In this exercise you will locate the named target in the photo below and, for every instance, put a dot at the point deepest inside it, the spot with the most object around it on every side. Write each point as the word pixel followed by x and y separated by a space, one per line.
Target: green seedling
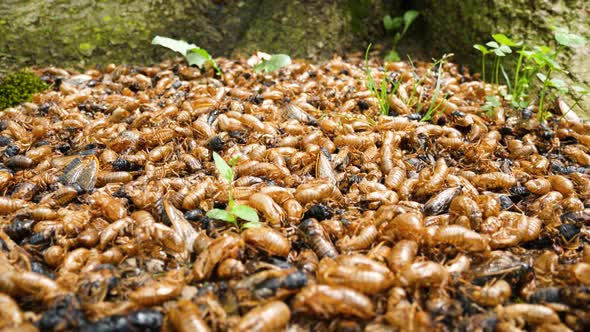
pixel 564 39
pixel 492 102
pixel 484 51
pixel 433 105
pixel 534 63
pixel 380 93
pixel 276 61
pixel 417 82
pixel 500 47
pixel 234 211
pixel 193 54
pixel 392 24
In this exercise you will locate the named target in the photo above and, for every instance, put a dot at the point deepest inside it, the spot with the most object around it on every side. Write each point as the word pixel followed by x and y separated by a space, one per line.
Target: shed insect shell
pixel 10 312
pixel 53 255
pixel 494 180
pixel 359 273
pixel 267 239
pixel 113 177
pixel 538 186
pixel 562 184
pixel 424 274
pixel 180 225
pixel 409 225
pixel 60 197
pixel 582 273
pixel 9 205
pixel 314 192
pixel 74 221
pixel 440 203
pixel 271 211
pixel 324 169
pixel 329 301
pixel 36 284
pixel 531 313
pixel 111 207
pixel 317 239
pixel 273 316
pixel 230 269
pixel 111 232
pixel 436 179
pixel 363 240
pixel 395 178
pixel 227 246
pixel 168 237
pixel 402 254
pixel 490 205
pixel 464 205
pixel 197 194
pixel 5 179
pixel 577 154
pixel 75 260
pixel 185 316
pixel 156 292
pixel 493 294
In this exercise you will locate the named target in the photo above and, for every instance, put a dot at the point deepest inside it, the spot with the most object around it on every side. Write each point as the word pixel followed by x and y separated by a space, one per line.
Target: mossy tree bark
pixel 80 33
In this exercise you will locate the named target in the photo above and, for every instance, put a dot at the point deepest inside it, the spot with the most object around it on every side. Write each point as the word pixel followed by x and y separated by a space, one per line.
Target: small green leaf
pixel 542 77
pixel 234 160
pixel 569 39
pixel 505 49
pixel 388 22
pixel 252 224
pixel 392 56
pixel 224 170
pixel 504 40
pixel 179 46
pixel 221 215
pixel 409 17
pixel 481 48
pixel 493 44
pixel 199 56
pixel 493 100
pixel 196 57
pixel 499 52
pixel 392 23
pixel 275 62
pixel 245 212
pixel 559 84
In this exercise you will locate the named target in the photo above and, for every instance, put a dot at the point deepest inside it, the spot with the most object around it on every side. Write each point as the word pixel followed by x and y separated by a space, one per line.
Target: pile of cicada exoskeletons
pixel 369 222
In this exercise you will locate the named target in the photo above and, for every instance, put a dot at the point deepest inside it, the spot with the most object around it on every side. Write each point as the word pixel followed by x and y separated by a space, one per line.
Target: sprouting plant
pixel 193 54
pixel 380 92
pixel 484 51
pixel 417 82
pixel 534 62
pixel 395 24
pixel 548 59
pixel 492 102
pixel 500 46
pixel 433 106
pixel 274 62
pixel 233 210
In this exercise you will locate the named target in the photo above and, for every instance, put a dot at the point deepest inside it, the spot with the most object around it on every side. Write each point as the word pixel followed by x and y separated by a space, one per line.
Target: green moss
pixel 19 87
